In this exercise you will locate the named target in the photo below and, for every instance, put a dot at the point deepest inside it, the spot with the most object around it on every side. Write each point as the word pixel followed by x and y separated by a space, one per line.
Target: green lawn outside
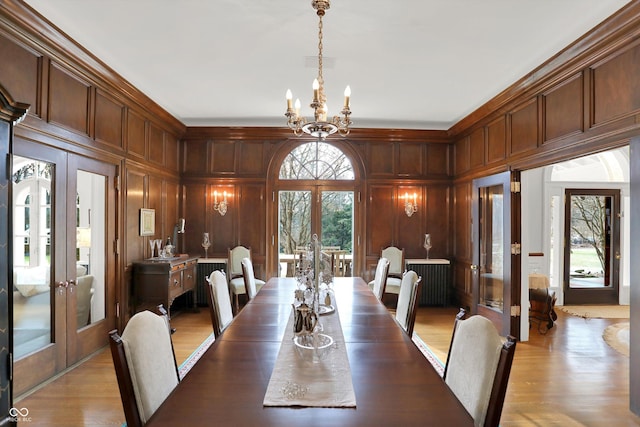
pixel 585 258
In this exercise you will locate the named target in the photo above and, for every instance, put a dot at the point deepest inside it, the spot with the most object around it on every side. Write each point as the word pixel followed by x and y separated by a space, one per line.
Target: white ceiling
pixel 410 63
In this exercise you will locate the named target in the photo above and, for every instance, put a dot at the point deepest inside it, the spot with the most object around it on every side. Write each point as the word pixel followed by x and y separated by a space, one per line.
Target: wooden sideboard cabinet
pixel 162 280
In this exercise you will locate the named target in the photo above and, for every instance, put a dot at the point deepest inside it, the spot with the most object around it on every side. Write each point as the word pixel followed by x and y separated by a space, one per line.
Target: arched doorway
pixel 316 190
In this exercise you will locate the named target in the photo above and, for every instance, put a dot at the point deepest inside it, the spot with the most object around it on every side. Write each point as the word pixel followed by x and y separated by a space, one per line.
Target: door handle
pixel 70 285
pixel 474 268
pixel 61 285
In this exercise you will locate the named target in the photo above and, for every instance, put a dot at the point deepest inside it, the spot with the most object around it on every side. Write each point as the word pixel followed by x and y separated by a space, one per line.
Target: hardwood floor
pixel 569 377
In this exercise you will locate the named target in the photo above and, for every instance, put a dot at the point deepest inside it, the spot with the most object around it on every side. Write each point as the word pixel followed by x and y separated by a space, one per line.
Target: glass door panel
pixel 294 228
pixel 91 292
pixel 591 250
pixel 337 229
pixel 491 247
pixel 31 255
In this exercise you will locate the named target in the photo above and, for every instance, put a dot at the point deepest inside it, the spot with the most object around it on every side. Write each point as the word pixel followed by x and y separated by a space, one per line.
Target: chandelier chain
pixel 323 98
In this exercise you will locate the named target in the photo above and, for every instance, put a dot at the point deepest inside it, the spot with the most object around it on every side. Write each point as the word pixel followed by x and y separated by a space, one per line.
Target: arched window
pixel 316 160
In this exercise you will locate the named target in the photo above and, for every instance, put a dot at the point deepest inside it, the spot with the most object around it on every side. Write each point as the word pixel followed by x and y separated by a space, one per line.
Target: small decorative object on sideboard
pixel 206 243
pixel 427 243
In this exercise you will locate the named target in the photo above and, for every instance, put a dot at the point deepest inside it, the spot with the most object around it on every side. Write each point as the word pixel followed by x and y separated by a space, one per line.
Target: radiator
pixel 436 280
pixel 204 269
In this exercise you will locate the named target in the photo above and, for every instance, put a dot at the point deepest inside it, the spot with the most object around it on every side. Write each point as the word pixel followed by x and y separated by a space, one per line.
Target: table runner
pixel 300 382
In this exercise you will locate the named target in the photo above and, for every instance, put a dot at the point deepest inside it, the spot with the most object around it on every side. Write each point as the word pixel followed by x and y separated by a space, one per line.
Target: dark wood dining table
pixel 394 384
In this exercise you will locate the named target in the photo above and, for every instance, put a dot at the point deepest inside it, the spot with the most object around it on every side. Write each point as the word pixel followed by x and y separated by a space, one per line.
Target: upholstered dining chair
pixel 478 368
pixel 250 282
pixel 235 277
pixel 408 301
pixel 380 278
pixel 219 302
pixel 145 365
pixel 396 268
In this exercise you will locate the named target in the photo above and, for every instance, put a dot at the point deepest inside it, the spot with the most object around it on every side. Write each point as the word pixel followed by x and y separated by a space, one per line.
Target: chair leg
pixel 236 303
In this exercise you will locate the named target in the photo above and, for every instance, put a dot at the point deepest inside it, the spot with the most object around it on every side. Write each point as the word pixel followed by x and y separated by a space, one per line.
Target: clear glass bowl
pixel 310 352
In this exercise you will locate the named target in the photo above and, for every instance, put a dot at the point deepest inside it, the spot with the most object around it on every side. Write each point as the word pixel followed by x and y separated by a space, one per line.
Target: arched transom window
pixel 316 160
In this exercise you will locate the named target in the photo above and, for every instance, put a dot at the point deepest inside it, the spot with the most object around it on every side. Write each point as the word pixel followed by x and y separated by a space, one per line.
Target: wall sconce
pixel 410 208
pixel 221 206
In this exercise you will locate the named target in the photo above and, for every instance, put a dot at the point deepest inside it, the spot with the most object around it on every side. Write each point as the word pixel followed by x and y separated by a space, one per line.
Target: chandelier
pixel 320 127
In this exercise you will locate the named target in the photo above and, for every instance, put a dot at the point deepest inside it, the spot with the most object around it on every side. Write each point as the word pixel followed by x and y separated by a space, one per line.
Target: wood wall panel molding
pixel 497 140
pixel 251 158
pixel 438 223
pixel 524 127
pixel 109 120
pixel 133 246
pixel 172 152
pixel 171 204
pixel 21 68
pixel 380 159
pixel 224 157
pixel 563 108
pixel 477 148
pixel 194 157
pixel 462 155
pixel 69 100
pixel 410 159
pixel 249 199
pixel 439 159
pixel 616 86
pixel 136 134
pixel 156 144
pixel 382 210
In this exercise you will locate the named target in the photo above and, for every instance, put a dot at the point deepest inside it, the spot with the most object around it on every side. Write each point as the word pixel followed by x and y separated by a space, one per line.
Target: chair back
pixel 145 366
pixel 234 260
pixel 396 260
pixel 407 301
pixel 84 295
pixel 219 302
pixel 480 382
pixel 249 278
pixel 380 278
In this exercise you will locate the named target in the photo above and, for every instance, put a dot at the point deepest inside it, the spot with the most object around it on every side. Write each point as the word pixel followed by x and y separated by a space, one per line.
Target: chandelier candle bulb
pixel 298 105
pixel 316 89
pixel 215 197
pixel 347 94
pixel 289 99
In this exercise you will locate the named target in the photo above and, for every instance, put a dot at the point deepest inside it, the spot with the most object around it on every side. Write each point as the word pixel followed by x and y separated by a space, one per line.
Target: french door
pixel 322 210
pixel 494 287
pixel 592 246
pixel 63 264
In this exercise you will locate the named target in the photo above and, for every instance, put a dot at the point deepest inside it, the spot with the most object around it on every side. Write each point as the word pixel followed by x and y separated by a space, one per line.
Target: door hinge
pixel 515 186
pixel 117 310
pixel 515 249
pixel 515 310
pixel 116 246
pixel 116 183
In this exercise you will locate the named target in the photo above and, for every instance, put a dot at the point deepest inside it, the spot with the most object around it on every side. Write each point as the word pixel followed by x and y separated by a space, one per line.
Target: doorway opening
pixel 315 195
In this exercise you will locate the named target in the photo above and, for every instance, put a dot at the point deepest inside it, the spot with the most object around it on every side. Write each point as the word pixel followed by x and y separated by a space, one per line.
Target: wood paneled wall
pixel 585 100
pixel 245 163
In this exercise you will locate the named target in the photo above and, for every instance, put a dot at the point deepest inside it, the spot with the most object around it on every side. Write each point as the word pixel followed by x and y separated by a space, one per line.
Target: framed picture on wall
pixel 147 222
